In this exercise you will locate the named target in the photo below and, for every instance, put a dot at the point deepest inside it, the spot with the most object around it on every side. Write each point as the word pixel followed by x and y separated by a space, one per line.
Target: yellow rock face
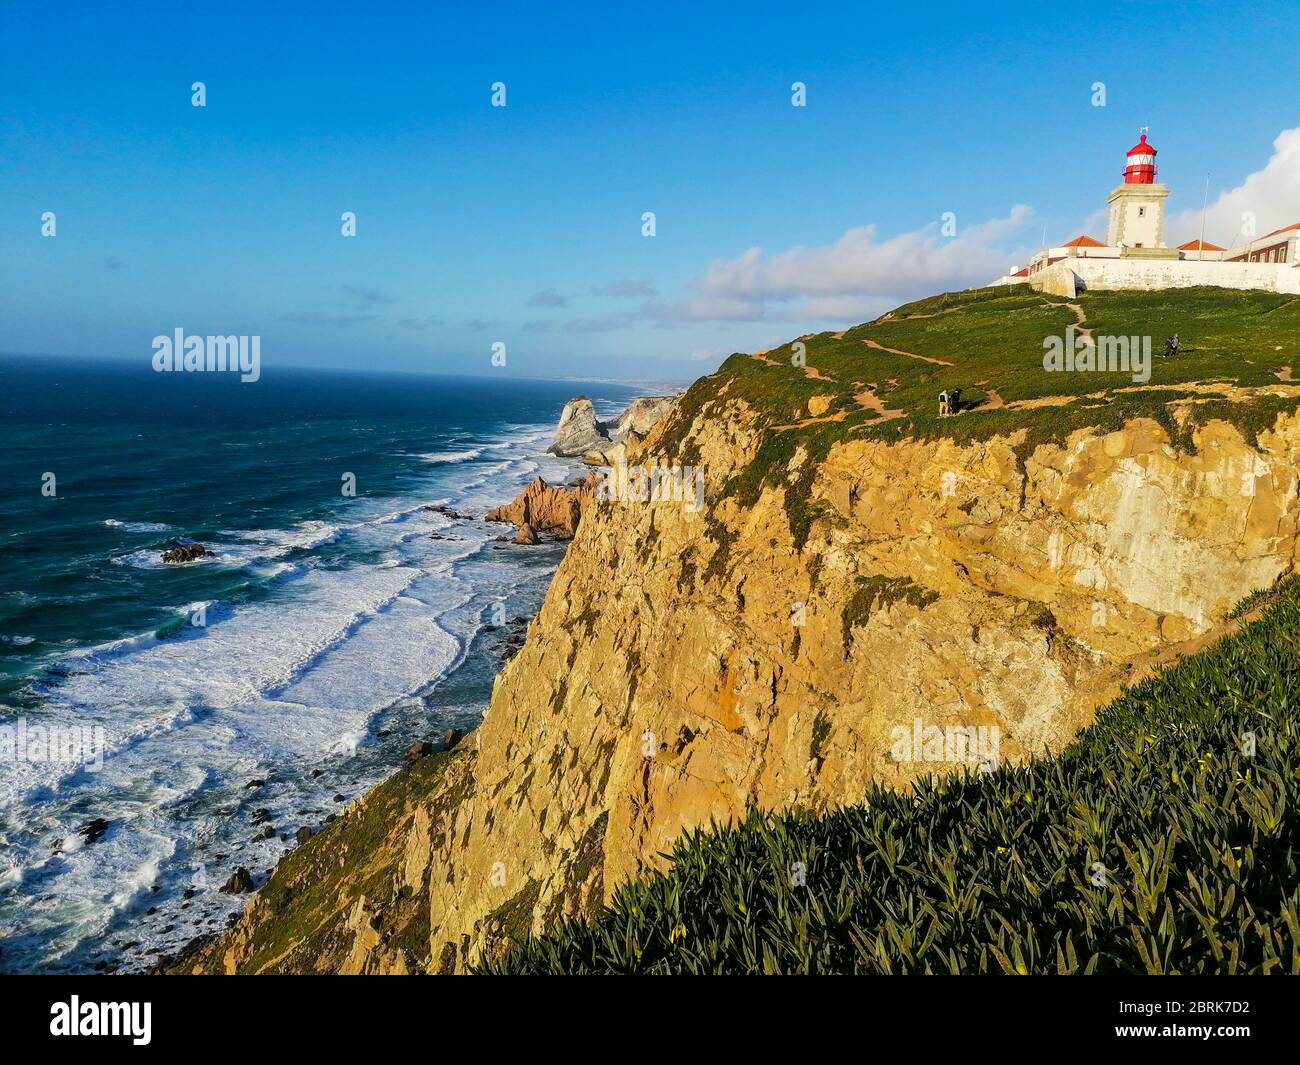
pixel 656 692
pixel 819 405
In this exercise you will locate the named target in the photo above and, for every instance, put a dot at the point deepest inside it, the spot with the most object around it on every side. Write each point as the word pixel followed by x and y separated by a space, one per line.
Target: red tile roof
pixel 1199 245
pixel 1284 229
pixel 1021 273
pixel 1083 241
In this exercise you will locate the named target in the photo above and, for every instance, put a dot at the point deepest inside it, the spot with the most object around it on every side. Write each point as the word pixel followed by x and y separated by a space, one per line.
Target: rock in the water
pixel 526 535
pixel 303 834
pixel 417 751
pixel 186 553
pixel 92 830
pixel 549 508
pixel 240 882
pixel 581 432
pixel 442 508
pixel 579 429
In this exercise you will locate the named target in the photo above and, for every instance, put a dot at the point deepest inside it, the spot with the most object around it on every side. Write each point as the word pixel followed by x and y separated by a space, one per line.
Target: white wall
pixel 1151 274
pixel 1157 273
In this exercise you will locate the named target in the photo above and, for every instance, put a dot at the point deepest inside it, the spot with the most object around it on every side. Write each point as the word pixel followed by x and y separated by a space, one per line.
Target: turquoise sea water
pixel 335 630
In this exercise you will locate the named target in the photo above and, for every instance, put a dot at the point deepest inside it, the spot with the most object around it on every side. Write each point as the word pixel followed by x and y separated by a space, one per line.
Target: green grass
pixel 994 339
pixel 880 592
pixel 306 903
pixel 1153 844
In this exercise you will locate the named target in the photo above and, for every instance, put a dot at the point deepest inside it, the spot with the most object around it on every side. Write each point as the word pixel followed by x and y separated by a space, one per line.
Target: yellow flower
pixel 677 933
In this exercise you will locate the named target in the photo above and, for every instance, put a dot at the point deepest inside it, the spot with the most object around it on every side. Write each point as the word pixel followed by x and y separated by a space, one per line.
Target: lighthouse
pixel 1141 168
pixel 1135 256
pixel 1137 207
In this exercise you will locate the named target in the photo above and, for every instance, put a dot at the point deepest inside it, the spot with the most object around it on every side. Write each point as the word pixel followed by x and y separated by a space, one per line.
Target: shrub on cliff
pixel 1163 840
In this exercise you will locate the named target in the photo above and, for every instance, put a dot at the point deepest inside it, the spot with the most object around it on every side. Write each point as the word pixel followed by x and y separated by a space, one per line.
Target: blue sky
pixel 523 225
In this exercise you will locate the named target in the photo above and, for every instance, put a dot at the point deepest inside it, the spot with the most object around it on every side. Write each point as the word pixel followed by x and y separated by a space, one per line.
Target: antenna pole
pixel 1200 251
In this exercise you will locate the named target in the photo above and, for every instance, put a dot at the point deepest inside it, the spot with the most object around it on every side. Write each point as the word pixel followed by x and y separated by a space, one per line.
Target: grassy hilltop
pixel 882 379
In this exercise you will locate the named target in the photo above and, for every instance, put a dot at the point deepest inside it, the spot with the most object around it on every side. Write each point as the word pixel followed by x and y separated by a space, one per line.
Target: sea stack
pixel 579 430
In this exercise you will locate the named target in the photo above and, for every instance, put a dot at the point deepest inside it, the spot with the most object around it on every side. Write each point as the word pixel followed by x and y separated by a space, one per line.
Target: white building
pixel 1135 255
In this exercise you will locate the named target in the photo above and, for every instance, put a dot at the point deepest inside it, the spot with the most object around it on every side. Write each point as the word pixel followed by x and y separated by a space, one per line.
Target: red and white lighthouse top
pixel 1141 169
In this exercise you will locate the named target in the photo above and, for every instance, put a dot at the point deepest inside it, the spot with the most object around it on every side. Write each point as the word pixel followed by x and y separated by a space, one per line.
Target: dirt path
pixel 1041 401
pixel 993 401
pixel 868 400
pixel 838 416
pixel 915 317
pixel 1080 318
pixel 909 354
pixel 1081 321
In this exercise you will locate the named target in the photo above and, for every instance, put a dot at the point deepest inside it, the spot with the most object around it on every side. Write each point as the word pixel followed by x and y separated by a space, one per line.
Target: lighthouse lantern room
pixel 1141 169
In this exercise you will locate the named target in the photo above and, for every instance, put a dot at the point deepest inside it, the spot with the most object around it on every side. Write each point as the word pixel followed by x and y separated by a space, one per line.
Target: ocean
pixel 324 635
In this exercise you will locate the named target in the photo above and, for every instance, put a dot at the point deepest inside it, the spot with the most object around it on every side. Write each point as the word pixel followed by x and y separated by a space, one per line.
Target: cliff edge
pixel 859 566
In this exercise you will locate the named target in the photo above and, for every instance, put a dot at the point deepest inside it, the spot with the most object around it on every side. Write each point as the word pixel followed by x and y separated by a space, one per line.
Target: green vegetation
pixel 820 734
pixel 307 902
pixel 873 592
pixel 1249 603
pixel 993 340
pixel 1159 841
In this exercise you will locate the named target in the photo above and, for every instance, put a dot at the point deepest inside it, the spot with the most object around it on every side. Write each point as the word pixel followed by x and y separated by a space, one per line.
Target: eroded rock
pixel 186 553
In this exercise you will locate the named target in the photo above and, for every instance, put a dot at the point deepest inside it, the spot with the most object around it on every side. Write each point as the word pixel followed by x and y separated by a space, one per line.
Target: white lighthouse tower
pixel 1137 208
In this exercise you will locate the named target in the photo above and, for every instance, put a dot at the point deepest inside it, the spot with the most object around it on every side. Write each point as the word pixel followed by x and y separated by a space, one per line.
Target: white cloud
pixel 858 276
pixel 1271 194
